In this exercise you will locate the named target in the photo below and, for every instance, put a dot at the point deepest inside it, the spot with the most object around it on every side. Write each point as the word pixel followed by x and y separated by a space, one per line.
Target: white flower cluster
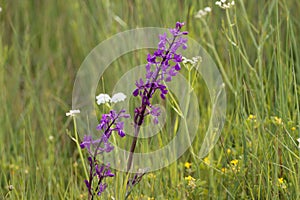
pixel 203 12
pixel 72 113
pixel 105 98
pixel 225 5
pixel 192 61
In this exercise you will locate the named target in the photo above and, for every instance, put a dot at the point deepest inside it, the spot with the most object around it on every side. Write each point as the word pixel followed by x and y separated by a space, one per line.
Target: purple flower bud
pixel 109 174
pixel 177 67
pixel 177 58
pixel 107 147
pixel 172 72
pixel 87 184
pixel 151 59
pixel 121 133
pixel 155 111
pixel 162 96
pixel 99 170
pixel 135 92
pixel 168 79
pixel 148 67
pixel 102 187
pixel 158 53
pixel 155 120
pixel 179 25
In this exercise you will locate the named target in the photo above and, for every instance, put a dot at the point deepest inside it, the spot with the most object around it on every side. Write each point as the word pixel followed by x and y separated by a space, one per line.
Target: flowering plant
pixel 161 66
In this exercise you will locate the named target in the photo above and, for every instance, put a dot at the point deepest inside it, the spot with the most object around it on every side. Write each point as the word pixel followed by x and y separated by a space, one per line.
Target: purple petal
pixel 121 133
pixel 108 147
pixel 99 170
pixel 102 187
pixel 155 120
pixel 155 111
pixel 177 58
pixel 172 72
pixel 108 173
pixel 168 79
pixel 87 184
pixel 177 67
pixel 179 25
pixel 135 92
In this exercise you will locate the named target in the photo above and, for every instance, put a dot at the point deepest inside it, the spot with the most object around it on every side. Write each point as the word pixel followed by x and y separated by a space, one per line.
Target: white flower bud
pixel 118 97
pixel 103 98
pixel 207 9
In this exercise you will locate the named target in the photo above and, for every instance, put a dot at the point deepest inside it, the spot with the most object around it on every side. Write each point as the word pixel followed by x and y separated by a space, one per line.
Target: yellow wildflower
pixel 293 128
pixel 187 165
pixel 151 175
pixel 234 162
pixel 223 169
pixel 280 180
pixel 281 183
pixel 191 181
pixel 278 120
pixel 206 161
pixel 251 117
pixel 235 169
pixel 189 178
pixel 228 151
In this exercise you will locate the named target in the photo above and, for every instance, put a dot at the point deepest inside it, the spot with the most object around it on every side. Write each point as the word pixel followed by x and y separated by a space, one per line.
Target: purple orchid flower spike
pixel 162 66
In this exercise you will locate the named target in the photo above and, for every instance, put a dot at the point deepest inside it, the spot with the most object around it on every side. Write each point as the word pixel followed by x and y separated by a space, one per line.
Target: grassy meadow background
pixel 255 45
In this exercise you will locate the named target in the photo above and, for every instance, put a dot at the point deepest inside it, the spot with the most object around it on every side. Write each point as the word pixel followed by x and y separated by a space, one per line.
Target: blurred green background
pixel 255 45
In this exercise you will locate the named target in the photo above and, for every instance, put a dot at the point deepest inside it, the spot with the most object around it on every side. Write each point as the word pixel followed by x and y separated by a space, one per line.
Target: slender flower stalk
pixel 78 147
pixel 158 70
pixel 73 113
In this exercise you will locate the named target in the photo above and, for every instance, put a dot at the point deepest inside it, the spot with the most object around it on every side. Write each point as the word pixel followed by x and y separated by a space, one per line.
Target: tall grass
pixel 255 45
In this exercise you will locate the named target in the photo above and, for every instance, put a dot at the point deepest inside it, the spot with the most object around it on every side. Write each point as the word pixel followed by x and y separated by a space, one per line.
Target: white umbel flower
pixel 218 3
pixel 186 60
pixel 103 98
pixel 72 113
pixel 118 97
pixel 207 9
pixel 203 12
pixel 225 5
pixel 192 61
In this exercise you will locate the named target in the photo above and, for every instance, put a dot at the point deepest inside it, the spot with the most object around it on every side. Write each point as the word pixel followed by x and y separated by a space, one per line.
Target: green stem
pixel 79 149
